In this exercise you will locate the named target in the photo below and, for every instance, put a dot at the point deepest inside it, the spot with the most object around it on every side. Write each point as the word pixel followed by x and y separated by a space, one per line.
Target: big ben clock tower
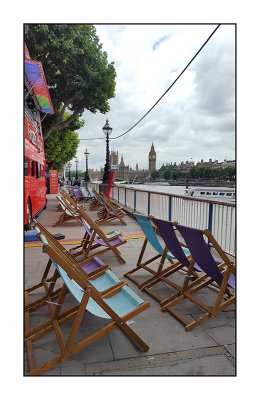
pixel 152 159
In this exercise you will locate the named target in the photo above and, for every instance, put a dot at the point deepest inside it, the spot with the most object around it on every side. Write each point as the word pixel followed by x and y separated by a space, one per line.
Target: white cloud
pixel 195 119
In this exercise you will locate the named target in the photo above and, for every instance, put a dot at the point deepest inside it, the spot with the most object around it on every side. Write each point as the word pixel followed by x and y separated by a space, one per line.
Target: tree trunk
pixel 63 124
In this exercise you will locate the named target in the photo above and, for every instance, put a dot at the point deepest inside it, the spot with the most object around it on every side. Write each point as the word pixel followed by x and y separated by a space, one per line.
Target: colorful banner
pixel 53 176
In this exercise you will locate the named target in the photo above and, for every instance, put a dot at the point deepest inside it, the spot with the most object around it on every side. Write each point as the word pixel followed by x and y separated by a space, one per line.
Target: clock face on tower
pixel 153 157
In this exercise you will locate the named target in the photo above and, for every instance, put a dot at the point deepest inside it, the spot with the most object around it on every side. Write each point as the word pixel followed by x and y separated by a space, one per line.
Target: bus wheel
pixel 29 216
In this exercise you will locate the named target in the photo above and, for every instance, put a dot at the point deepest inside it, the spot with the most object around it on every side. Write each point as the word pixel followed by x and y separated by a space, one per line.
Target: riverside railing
pixel 218 217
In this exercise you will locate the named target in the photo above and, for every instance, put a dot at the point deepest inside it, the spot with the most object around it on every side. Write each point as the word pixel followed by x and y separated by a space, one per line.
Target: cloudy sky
pixel 194 120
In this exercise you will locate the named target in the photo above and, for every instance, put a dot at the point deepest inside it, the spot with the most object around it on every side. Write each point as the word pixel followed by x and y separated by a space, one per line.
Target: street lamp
pixel 76 169
pixel 87 178
pixel 107 131
pixel 69 166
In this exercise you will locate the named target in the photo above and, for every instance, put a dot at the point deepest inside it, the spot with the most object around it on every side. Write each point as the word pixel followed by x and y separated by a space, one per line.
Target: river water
pixel 179 190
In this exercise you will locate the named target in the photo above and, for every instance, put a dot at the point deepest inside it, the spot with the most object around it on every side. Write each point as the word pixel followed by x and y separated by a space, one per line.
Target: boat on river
pixel 212 193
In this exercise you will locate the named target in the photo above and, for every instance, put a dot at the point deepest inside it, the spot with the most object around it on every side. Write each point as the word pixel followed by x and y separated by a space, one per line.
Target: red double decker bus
pixel 37 101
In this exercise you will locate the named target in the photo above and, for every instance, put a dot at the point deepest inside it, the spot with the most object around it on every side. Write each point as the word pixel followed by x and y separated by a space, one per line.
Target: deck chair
pixel 88 265
pixel 68 212
pixel 182 256
pixel 222 272
pixel 96 240
pixel 110 212
pixel 96 202
pixel 77 194
pixel 116 302
pixel 150 237
pixel 85 193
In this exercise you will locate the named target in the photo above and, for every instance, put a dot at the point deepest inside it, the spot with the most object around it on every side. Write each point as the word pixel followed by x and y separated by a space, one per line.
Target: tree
pixel 154 175
pixel 176 174
pixel 167 174
pixel 61 146
pixel 76 69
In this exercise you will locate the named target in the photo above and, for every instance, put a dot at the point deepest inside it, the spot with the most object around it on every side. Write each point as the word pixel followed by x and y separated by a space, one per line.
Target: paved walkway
pixel 209 349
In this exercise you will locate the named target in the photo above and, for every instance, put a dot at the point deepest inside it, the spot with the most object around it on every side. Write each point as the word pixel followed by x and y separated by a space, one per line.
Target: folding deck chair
pixel 68 212
pixel 111 300
pixel 157 274
pixel 222 272
pixel 96 202
pixel 96 240
pixel 85 193
pixel 110 211
pixel 88 265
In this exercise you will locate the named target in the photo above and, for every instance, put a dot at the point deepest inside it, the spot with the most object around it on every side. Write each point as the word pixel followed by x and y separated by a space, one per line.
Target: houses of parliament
pixel 123 172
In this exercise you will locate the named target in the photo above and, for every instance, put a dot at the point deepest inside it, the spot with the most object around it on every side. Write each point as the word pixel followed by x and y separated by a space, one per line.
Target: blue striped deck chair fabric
pixel 220 272
pixel 85 193
pixel 109 212
pixel 96 201
pixel 68 212
pixel 103 297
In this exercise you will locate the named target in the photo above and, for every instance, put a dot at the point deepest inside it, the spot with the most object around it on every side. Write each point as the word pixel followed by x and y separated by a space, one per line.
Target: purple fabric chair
pixel 176 257
pixel 202 255
pixel 219 272
pixel 96 240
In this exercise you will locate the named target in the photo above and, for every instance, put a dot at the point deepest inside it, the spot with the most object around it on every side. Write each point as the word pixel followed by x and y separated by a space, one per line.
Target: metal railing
pixel 218 217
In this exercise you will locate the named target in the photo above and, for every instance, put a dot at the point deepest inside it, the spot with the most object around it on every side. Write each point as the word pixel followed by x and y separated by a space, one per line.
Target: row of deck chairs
pixel 195 260
pixel 94 239
pixel 107 210
pixel 186 269
pixel 95 289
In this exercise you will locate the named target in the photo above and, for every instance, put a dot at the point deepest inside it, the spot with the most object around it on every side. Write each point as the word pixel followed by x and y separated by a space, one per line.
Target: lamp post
pixel 69 166
pixel 87 178
pixel 107 131
pixel 76 169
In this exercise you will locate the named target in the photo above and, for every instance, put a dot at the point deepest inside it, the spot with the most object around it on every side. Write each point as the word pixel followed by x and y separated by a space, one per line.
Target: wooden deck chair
pixel 48 278
pixel 96 240
pixel 150 237
pixel 68 212
pixel 182 256
pixel 110 212
pixel 85 193
pixel 222 272
pixel 96 202
pixel 116 302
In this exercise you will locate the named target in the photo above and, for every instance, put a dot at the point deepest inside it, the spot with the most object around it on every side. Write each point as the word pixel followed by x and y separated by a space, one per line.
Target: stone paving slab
pixel 166 337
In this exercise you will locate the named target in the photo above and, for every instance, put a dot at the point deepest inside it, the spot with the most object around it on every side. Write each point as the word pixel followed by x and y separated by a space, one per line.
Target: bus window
pixel 32 168
pixel 26 166
pixel 229 194
pixel 38 170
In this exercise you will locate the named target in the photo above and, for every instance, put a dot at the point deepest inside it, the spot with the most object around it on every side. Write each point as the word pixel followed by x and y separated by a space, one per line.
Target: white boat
pixel 212 193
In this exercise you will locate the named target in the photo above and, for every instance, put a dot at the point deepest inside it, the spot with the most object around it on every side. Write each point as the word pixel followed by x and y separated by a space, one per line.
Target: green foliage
pixel 167 174
pixel 155 175
pixel 76 69
pixel 61 146
pixel 177 174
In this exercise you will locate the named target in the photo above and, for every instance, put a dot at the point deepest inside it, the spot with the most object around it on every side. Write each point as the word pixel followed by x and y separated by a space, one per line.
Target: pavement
pixel 207 350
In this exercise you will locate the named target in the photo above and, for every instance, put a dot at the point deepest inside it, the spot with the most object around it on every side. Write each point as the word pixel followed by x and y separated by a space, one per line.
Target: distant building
pixel 152 159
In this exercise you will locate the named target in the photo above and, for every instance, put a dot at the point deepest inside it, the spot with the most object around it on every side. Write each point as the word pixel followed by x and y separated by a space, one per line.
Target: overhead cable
pixel 184 69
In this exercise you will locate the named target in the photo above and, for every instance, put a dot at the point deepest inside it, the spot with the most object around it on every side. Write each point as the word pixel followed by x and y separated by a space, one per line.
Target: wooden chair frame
pixel 158 275
pixel 189 289
pixel 68 212
pixel 89 244
pixel 110 211
pixel 58 317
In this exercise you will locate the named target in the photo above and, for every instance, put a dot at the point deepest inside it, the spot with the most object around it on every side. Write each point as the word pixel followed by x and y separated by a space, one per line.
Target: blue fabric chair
pixel 156 273
pixel 103 296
